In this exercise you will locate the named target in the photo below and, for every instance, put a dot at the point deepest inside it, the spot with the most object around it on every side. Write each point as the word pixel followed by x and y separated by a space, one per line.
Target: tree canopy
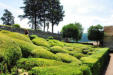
pixel 40 12
pixel 7 18
pixel 96 33
pixel 70 31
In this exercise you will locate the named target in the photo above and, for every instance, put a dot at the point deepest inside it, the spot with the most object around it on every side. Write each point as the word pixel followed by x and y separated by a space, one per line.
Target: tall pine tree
pixel 56 12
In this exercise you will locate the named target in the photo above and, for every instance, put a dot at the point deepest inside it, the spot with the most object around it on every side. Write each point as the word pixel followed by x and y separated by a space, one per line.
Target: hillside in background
pixel 84 38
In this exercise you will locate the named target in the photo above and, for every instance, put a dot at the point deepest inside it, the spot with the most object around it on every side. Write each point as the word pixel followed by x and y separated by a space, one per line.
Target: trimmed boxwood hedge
pixel 98 61
pixel 29 63
pixel 42 56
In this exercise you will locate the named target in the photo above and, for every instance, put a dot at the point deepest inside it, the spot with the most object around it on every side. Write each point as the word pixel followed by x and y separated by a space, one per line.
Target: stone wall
pixel 32 32
pixel 108 38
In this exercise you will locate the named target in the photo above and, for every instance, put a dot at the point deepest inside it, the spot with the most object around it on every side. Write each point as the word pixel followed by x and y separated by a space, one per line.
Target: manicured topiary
pixel 33 37
pixel 29 63
pixel 16 35
pixel 68 58
pixel 53 42
pixel 16 25
pixel 41 52
pixel 97 61
pixel 57 49
pixel 9 50
pixel 40 42
pixel 57 70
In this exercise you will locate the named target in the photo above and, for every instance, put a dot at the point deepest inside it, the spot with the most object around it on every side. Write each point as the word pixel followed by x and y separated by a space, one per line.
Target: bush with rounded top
pixel 9 50
pixel 29 63
pixel 57 49
pixel 41 52
pixel 53 42
pixel 40 42
pixel 57 70
pixel 68 58
pixel 16 25
pixel 15 35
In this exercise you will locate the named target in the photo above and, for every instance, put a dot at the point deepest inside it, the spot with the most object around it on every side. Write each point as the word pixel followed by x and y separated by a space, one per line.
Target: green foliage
pixel 26 47
pixel 16 25
pixel 9 50
pixel 33 37
pixel 96 33
pixel 68 58
pixel 50 37
pixel 97 61
pixel 79 26
pixel 40 42
pixel 7 18
pixel 41 52
pixel 57 49
pixel 57 70
pixel 15 35
pixel 86 70
pixel 53 42
pixel 29 63
pixel 70 31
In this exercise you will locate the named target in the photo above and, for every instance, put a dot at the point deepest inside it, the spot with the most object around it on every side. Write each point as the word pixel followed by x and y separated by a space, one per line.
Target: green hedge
pixel 58 49
pixel 10 51
pixel 15 35
pixel 41 52
pixel 40 42
pixel 53 42
pixel 29 63
pixel 57 70
pixel 98 61
pixel 68 58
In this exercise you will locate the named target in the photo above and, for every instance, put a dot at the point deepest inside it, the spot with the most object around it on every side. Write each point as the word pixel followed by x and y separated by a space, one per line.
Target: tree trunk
pixel 52 27
pixel 44 24
pixel 35 23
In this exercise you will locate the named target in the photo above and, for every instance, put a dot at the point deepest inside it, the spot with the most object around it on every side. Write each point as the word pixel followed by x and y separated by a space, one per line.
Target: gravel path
pixel 109 70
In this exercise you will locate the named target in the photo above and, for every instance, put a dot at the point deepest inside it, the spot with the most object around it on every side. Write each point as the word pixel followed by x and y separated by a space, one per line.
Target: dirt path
pixel 109 70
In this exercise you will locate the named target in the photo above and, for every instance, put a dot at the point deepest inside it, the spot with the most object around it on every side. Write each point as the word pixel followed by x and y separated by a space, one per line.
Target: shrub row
pixel 98 61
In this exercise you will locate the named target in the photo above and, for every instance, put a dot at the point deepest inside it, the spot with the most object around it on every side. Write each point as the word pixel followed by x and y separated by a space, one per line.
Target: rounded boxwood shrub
pixel 40 42
pixel 10 51
pixel 29 63
pixel 57 70
pixel 53 42
pixel 68 58
pixel 57 49
pixel 16 25
pixel 41 52
pixel 33 37
pixel 15 35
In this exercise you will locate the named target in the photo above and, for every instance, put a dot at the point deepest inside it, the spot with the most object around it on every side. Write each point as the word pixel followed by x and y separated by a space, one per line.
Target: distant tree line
pixel 41 13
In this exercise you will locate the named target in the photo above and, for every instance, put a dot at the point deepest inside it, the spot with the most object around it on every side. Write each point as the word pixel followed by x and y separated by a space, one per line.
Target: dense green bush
pixel 33 37
pixel 40 42
pixel 49 57
pixel 57 49
pixel 9 50
pixel 29 63
pixel 16 25
pixel 97 61
pixel 15 35
pixel 68 58
pixel 53 42
pixel 41 52
pixel 26 47
pixel 57 70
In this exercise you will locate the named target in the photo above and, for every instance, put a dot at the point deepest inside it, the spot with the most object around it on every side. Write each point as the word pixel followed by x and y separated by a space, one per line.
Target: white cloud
pixel 87 12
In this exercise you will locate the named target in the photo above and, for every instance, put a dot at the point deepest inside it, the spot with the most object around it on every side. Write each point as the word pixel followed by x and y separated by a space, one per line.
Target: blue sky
pixel 87 12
